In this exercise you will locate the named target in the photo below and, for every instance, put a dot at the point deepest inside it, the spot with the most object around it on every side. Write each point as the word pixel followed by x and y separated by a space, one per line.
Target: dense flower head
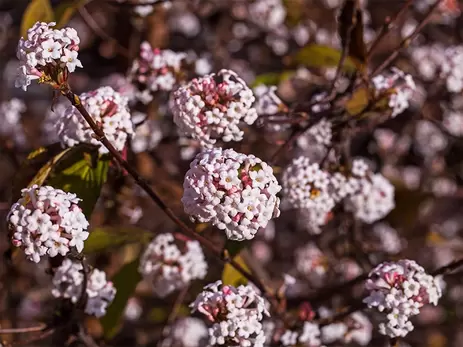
pixel 108 109
pixel 355 328
pixel 47 221
pixel 10 120
pixel 371 195
pixel 306 186
pixel 68 282
pixel 320 134
pixel 268 14
pixel 156 70
pixel 267 101
pixel 308 336
pixel 398 290
pixel 169 267
pixel 399 88
pixel 236 314
pixel 311 262
pixel 147 133
pixel 187 332
pixel 235 192
pixel 214 107
pixel 46 49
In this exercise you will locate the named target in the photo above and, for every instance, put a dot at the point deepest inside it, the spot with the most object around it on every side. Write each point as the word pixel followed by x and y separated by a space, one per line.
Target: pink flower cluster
pixel 235 192
pixel 214 107
pixel 46 47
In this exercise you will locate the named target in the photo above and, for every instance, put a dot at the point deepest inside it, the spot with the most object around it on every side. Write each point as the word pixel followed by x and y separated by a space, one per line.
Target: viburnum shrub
pixel 231 173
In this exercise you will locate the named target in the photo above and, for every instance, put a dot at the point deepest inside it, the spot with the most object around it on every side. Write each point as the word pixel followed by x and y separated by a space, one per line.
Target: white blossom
pixel 235 192
pixel 311 262
pixel 107 108
pixel 169 267
pixel 187 332
pixel 147 134
pixel 69 279
pixel 10 120
pixel 236 314
pixel 47 221
pixel 398 290
pixel 214 107
pixel 45 49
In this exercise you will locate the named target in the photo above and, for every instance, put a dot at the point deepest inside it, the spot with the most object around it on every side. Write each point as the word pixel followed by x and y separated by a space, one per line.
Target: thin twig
pixel 40 327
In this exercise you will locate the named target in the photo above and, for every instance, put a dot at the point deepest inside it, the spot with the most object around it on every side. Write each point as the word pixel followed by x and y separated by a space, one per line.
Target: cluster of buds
pixel 108 109
pixel 235 192
pixel 47 55
pixel 236 314
pixel 68 282
pixel 398 87
pixel 156 70
pixel 47 221
pixel 168 267
pixel 398 290
pixel 213 107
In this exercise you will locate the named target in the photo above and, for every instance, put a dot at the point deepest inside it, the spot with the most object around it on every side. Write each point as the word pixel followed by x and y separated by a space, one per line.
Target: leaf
pixel 350 30
pixel 104 238
pixel 272 78
pixel 230 276
pixel 235 247
pixel 125 281
pixel 294 11
pixel 358 102
pixel 66 10
pixel 318 56
pixel 30 167
pixel 36 11
pixel 82 173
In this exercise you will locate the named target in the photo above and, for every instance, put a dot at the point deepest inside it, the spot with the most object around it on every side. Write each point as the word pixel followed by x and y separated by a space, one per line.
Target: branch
pixel 40 327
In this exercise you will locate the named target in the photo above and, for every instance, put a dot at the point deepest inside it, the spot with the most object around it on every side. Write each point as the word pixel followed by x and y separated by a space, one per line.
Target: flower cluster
pixel 452 70
pixel 355 328
pixel 398 290
pixel 147 134
pixel 267 101
pixel 213 107
pixel 309 336
pixel 156 70
pixel 68 282
pixel 10 120
pixel 144 8
pixel 187 332
pixel 311 262
pixel 236 314
pixel 320 134
pixel 235 192
pixel 168 267
pixel 398 87
pixel 47 221
pixel 268 14
pixel 307 187
pixel 108 109
pixel 45 50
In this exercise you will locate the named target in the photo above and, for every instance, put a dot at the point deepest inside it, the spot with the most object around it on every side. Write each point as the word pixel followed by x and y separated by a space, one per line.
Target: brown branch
pixel 40 327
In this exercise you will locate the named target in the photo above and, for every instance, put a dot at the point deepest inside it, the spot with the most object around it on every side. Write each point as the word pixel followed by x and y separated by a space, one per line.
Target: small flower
pixel 70 58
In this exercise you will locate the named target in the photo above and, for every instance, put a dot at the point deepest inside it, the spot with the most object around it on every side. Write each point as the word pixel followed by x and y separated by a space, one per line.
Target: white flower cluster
pixel 267 101
pixel 107 108
pixel 309 337
pixel 10 120
pixel 235 192
pixel 46 48
pixel 237 314
pixel 212 107
pixel 68 281
pixel 156 70
pixel 168 267
pixel 268 14
pixel 147 134
pixel 320 134
pixel 144 8
pixel 311 262
pixel 49 133
pixel 399 88
pixel 308 187
pixel 355 328
pixel 429 139
pixel 453 122
pixel 47 221
pixel 399 290
pixel 187 332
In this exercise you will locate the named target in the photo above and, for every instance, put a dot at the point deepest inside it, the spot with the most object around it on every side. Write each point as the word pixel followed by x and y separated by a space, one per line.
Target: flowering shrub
pixel 233 191
pixel 47 221
pixel 169 267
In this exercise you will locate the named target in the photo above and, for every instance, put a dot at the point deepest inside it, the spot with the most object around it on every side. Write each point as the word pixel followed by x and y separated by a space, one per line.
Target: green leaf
pixel 31 166
pixel 82 173
pixel 318 56
pixel 66 10
pixel 272 78
pixel 104 238
pixel 230 276
pixel 125 281
pixel 36 11
pixel 235 247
